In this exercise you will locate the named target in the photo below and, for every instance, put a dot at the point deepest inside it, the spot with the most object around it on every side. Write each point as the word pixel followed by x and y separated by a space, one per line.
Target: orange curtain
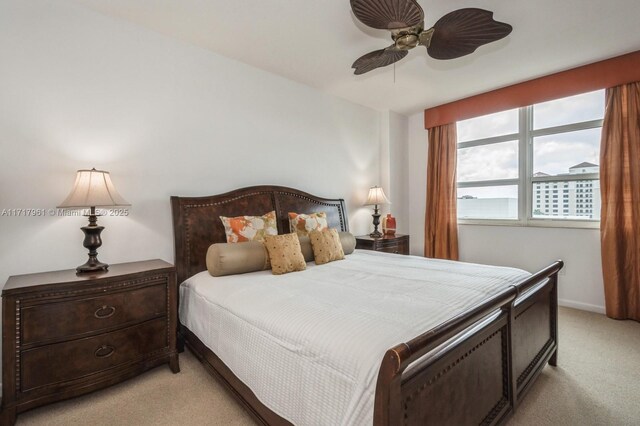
pixel 441 221
pixel 620 191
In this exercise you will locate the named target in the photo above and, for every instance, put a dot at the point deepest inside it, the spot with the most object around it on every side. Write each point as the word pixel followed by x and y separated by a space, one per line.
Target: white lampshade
pixel 376 196
pixel 93 188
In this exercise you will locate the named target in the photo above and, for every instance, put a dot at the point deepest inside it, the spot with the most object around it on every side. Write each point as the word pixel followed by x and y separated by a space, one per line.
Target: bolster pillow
pixel 251 256
pixel 236 258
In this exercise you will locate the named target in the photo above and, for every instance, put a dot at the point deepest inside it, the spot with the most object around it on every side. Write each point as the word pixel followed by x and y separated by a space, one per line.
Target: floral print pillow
pixel 249 228
pixel 302 224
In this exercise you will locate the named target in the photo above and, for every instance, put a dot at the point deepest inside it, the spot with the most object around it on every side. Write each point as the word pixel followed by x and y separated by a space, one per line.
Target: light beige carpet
pixel 597 382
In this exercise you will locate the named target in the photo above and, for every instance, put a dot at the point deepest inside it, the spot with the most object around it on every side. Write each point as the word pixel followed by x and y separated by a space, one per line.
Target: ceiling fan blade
pixel 462 31
pixel 377 59
pixel 388 14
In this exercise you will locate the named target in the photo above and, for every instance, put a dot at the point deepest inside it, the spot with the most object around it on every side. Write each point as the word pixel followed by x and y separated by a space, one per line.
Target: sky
pixel 552 154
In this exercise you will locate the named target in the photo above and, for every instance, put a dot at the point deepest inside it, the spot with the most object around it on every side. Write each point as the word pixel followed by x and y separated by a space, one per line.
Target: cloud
pixel 554 154
pixel 498 124
pixel 488 162
pixel 575 109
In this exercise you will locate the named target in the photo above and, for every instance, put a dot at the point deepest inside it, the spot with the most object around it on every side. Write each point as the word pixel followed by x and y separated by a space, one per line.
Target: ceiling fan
pixel 456 34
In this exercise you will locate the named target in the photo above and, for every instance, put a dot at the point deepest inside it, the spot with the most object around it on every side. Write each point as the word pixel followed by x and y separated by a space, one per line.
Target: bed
pixel 471 363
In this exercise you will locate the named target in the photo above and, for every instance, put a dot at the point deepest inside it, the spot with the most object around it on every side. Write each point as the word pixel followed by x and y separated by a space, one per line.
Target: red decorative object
pixel 389 225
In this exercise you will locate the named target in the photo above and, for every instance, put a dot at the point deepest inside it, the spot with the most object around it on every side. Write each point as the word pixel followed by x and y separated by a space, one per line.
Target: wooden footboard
pixel 535 336
pixel 475 368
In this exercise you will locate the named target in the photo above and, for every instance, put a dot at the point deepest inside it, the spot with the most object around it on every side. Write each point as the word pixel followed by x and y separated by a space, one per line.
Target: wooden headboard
pixel 197 224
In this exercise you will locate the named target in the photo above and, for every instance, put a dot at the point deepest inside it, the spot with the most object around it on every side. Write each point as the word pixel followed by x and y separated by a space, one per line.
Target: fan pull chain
pixel 394 73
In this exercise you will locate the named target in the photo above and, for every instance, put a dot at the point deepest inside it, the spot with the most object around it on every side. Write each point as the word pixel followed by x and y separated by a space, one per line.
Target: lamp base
pixel 376 222
pixel 92 241
pixel 91 266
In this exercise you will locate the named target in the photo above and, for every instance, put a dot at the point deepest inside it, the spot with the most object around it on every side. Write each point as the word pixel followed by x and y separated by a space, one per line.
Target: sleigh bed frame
pixel 474 368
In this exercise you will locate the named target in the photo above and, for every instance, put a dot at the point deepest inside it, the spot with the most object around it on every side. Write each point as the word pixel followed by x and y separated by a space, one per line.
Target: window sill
pixel 534 223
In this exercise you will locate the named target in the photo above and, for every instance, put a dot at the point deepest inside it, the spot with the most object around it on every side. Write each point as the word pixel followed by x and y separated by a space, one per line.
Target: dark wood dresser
pixel 65 334
pixel 398 243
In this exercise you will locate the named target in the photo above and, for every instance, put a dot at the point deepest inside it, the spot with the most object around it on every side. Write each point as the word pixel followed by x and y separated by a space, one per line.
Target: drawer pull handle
pixel 104 351
pixel 100 312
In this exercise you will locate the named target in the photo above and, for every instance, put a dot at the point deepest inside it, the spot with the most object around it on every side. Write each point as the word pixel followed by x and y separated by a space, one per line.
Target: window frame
pixel 525 180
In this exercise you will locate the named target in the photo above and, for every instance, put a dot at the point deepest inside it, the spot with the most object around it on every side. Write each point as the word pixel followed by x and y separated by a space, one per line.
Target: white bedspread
pixel 309 344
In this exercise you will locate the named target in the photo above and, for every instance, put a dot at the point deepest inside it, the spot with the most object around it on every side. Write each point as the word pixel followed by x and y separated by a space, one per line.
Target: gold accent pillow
pixel 249 228
pixel 284 253
pixel 302 224
pixel 326 246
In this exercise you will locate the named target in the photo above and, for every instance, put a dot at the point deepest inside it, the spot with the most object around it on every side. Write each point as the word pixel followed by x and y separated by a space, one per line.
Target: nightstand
pixel 65 334
pixel 397 243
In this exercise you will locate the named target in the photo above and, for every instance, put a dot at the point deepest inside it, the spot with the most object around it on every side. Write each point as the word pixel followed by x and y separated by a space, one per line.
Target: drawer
pixel 80 316
pixel 387 243
pixel 391 248
pixel 399 246
pixel 61 362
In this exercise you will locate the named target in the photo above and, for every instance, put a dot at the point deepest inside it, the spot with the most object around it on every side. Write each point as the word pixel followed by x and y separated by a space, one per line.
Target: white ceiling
pixel 315 42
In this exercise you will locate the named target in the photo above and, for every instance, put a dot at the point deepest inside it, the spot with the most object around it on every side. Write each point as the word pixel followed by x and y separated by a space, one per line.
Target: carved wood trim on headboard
pixel 197 225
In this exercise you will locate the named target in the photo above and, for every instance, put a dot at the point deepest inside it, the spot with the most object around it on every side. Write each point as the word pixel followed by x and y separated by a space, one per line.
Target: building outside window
pixel 512 164
pixel 574 195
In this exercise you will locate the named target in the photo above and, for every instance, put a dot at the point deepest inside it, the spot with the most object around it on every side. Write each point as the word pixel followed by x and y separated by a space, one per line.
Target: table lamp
pixel 93 188
pixel 375 198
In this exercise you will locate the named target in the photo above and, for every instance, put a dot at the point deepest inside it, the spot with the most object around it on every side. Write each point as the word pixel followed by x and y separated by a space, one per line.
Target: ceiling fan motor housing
pixel 406 38
pixel 407 41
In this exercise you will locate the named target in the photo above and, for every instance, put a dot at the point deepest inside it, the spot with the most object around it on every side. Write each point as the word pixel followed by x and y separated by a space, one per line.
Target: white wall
pixel 385 162
pixel 532 248
pixel 80 90
pixel 417 181
pixel 399 170
pixel 528 248
pixel 394 162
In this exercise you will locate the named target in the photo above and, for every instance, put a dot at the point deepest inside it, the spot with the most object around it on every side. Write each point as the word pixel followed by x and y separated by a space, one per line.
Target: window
pixel 511 164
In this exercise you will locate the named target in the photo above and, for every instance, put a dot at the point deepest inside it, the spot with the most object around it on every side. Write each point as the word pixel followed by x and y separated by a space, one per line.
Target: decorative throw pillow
pixel 326 246
pixel 302 224
pixel 347 240
pixel 249 228
pixel 284 253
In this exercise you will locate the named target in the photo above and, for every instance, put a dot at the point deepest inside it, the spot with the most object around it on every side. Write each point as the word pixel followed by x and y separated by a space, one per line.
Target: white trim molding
pixel 581 306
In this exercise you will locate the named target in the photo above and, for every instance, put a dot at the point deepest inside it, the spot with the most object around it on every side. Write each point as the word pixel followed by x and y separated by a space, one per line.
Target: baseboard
pixel 581 306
